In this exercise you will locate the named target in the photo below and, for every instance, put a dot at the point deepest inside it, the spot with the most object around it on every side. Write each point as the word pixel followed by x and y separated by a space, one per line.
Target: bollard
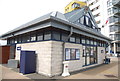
pixel 65 69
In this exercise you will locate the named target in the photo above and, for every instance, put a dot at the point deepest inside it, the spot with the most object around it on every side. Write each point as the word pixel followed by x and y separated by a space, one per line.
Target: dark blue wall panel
pixel 27 62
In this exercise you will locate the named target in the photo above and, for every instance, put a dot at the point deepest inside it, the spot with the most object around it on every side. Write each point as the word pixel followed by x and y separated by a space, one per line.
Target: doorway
pixel 89 55
pixel 12 51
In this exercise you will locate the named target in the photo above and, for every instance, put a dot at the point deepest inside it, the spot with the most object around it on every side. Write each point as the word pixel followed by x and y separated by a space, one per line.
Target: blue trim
pixel 74 59
pixel 89 45
pixel 89 64
pixel 54 40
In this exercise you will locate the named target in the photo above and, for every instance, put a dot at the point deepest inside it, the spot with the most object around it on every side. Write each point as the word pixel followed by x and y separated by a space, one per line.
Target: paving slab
pixel 105 71
pixel 0 72
pixel 7 73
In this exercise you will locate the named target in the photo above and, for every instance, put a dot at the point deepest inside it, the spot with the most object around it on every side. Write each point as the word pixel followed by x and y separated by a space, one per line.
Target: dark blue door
pixel 27 62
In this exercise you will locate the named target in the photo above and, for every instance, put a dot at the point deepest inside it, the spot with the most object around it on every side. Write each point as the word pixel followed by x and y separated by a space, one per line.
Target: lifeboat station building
pixel 56 38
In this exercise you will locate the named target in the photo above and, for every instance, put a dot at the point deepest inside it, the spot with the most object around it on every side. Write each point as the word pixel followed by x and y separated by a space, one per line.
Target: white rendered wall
pixel 101 55
pixel 49 56
pixel 43 51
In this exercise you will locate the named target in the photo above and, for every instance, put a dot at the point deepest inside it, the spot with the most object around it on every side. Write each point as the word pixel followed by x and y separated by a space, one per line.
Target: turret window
pixel 75 5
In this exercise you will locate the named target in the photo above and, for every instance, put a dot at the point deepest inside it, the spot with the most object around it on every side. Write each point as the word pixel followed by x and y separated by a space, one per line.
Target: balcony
pixel 115 20
pixel 115 28
pixel 115 36
pixel 116 3
pixel 116 11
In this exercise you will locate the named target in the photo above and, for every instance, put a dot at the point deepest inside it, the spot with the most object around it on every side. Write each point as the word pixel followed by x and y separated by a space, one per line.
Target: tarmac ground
pixel 104 71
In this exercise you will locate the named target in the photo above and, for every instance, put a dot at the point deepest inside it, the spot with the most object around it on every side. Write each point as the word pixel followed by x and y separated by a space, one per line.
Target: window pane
pixel 19 39
pixel 39 36
pixel 75 5
pixel 83 41
pixel 91 42
pixel 84 53
pixel 91 52
pixel 95 54
pixel 77 40
pixel 64 37
pixel 87 20
pixel 87 41
pixel 25 38
pixel 77 53
pixel 82 20
pixel 15 39
pixel 56 35
pixel 73 53
pixel 67 53
pixel 12 41
pixel 33 37
pixel 95 43
pixel 47 35
pixel 72 39
pixel 87 50
pixel 118 44
pixel 98 43
pixel 8 41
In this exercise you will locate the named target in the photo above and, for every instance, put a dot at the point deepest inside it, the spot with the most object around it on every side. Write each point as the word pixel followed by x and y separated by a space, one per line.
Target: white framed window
pixel 72 54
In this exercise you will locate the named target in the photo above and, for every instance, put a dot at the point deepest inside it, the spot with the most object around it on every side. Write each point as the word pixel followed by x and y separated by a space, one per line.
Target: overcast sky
pixel 14 13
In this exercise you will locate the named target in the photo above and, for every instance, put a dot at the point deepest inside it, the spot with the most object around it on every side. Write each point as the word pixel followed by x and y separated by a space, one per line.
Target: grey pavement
pixel 105 71
pixel 7 73
pixel 0 72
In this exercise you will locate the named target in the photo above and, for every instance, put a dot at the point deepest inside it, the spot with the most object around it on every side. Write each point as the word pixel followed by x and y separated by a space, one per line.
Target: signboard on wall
pixel 18 48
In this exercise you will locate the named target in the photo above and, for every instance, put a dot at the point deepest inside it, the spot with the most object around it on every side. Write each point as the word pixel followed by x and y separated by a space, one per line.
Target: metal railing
pixel 114 20
pixel 115 2
pixel 115 28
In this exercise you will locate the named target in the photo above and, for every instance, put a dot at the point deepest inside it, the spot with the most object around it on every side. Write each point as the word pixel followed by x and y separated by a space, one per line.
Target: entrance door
pixel 86 54
pixel 89 55
pixel 92 58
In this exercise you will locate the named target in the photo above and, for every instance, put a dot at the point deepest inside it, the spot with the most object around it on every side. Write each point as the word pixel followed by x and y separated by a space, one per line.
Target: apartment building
pixel 73 5
pixel 99 10
pixel 107 16
pixel 113 9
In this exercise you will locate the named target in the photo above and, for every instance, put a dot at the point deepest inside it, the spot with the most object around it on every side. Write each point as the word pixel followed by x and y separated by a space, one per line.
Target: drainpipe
pixel 63 44
pixel 63 51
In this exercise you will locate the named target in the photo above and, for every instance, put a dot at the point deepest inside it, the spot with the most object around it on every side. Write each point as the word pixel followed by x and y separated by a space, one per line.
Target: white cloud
pixel 14 13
